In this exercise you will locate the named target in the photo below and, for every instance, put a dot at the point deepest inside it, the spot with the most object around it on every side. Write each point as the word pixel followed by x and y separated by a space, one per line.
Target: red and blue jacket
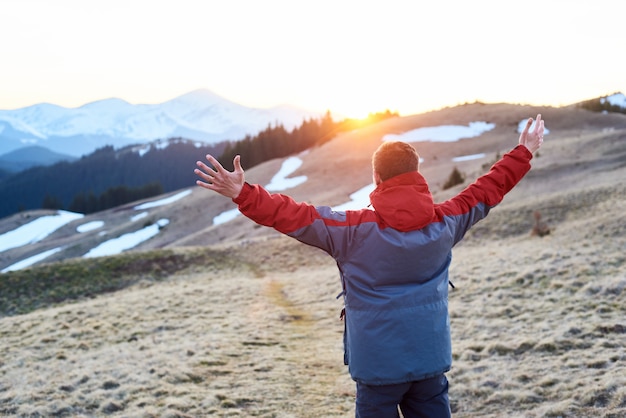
pixel 393 263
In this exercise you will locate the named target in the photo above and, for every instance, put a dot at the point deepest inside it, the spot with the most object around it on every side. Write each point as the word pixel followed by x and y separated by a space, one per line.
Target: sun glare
pixel 362 113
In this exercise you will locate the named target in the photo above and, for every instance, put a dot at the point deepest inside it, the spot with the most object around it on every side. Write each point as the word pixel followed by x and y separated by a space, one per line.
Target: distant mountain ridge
pixel 31 156
pixel 199 115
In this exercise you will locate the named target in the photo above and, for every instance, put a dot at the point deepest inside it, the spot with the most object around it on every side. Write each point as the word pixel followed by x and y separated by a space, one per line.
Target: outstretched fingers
pixel 529 123
pixel 215 177
pixel 532 139
pixel 216 164
pixel 539 126
pixel 206 173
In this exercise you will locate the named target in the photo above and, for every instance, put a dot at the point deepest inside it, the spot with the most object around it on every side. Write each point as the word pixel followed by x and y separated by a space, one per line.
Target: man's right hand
pixel 532 140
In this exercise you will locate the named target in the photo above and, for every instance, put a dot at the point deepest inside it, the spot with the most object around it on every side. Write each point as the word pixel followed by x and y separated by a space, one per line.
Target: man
pixel 394 264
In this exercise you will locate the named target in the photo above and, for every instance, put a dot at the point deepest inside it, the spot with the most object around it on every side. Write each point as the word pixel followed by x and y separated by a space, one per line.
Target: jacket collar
pixel 404 202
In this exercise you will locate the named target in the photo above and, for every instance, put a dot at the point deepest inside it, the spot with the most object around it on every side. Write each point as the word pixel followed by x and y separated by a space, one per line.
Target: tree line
pixel 110 198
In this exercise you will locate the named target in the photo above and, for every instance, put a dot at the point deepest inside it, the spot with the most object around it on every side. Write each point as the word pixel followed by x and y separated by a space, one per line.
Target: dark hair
pixel 394 158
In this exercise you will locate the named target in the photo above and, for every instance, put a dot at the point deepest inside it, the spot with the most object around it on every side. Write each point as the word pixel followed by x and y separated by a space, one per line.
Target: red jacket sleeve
pixel 275 210
pixel 491 187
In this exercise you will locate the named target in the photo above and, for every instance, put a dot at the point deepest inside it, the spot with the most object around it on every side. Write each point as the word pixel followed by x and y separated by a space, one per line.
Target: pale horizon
pixel 351 58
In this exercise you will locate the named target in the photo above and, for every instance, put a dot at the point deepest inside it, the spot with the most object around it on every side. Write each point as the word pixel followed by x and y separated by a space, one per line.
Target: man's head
pixel 393 158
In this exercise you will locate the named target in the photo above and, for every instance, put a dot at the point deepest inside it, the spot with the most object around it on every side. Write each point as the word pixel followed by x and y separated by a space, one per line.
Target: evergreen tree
pixel 455 178
pixel 51 202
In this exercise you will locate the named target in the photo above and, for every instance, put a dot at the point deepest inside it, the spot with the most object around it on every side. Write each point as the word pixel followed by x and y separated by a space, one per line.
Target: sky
pixel 351 57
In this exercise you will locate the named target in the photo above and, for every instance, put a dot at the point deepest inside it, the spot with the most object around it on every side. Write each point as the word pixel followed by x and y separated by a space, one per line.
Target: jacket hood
pixel 404 202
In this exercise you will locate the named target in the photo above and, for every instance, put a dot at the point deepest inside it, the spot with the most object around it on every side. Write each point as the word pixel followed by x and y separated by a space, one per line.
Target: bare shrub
pixel 540 228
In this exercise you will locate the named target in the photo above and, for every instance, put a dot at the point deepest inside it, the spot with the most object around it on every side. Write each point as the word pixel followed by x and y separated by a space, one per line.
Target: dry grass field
pixel 538 323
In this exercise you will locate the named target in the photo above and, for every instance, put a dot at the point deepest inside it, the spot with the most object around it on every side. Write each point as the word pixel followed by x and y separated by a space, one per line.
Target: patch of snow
pixel 280 181
pixel 36 230
pixel 162 202
pixel 443 133
pixel 359 199
pixel 27 262
pixel 226 216
pixel 617 99
pixel 162 144
pixel 468 157
pixel 143 150
pixel 138 216
pixel 89 226
pixel 17 122
pixel 126 241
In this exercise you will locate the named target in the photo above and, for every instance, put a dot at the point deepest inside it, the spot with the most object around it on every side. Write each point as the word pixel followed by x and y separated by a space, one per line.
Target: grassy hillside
pixel 240 321
pixel 40 287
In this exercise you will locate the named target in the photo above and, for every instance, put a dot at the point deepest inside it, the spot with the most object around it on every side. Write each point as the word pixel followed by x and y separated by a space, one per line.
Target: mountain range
pixel 199 115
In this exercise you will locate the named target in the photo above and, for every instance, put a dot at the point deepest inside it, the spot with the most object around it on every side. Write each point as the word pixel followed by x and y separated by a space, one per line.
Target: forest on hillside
pixel 108 177
pixel 602 105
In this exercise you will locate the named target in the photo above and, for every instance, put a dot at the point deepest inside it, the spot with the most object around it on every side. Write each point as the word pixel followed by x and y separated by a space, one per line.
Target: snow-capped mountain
pixel 199 115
